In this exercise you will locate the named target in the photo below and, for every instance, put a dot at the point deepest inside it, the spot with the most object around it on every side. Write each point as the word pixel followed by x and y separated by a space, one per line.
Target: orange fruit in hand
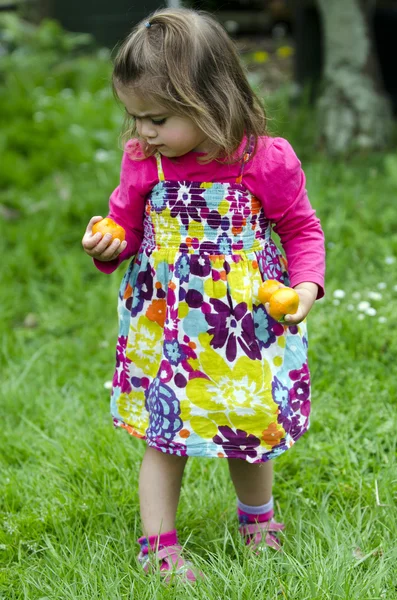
pixel 285 301
pixel 109 226
pixel 266 289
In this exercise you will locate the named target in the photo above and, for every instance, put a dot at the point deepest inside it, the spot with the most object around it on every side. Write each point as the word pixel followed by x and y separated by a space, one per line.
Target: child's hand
pixel 99 246
pixel 307 293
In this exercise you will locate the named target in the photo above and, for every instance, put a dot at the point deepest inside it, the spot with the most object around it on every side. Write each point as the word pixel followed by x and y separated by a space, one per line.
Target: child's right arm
pixel 101 247
pixel 126 208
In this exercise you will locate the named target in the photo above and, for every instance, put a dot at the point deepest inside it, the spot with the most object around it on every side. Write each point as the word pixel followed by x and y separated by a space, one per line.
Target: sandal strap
pixel 268 526
pixel 173 563
pixel 172 556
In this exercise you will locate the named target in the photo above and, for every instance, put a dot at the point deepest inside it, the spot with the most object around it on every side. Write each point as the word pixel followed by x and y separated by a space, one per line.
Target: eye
pixel 159 121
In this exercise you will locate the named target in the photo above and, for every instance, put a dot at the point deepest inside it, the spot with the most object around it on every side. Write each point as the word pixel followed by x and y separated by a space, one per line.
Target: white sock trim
pixel 256 510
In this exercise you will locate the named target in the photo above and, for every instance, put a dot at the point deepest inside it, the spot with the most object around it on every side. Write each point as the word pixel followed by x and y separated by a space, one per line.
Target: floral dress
pixel 201 369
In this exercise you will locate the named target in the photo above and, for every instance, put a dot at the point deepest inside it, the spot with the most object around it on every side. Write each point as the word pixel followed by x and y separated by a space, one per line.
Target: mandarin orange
pixel 109 226
pixel 284 301
pixel 266 289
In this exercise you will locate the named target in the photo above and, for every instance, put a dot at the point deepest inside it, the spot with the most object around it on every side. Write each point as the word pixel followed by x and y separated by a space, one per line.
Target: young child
pixel 202 369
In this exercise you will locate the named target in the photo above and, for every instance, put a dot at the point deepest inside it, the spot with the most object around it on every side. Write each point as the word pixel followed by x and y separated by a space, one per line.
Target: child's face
pixel 170 134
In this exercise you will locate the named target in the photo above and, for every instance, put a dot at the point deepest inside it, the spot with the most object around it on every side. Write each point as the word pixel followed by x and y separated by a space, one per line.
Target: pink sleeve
pixel 286 204
pixel 126 207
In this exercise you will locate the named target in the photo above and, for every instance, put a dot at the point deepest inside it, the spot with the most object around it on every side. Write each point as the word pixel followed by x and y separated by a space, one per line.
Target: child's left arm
pixel 287 205
pixel 308 293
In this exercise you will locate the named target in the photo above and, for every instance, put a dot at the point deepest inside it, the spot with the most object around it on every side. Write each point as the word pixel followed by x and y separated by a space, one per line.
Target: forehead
pixel 139 106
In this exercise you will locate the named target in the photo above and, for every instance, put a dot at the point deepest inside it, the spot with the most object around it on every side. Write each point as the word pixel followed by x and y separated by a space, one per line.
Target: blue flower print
pixel 214 195
pixel 280 393
pixel 295 354
pixel 194 444
pixel 194 323
pixel 173 352
pixel 158 198
pixel 164 412
pixel 224 244
pixel 263 330
pixel 182 268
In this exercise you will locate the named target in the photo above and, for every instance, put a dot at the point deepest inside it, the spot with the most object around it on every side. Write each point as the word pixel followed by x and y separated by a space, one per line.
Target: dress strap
pixel 160 171
pixel 246 157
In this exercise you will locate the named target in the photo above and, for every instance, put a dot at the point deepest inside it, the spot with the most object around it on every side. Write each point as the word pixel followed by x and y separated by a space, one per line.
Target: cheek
pixel 179 136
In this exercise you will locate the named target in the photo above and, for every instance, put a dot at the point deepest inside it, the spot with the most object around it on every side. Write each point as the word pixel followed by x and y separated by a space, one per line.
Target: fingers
pixel 92 222
pixel 295 319
pixel 110 252
pixel 101 247
pixel 89 241
pixel 289 320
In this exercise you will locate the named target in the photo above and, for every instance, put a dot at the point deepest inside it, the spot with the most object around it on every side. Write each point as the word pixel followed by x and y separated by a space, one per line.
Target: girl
pixel 202 369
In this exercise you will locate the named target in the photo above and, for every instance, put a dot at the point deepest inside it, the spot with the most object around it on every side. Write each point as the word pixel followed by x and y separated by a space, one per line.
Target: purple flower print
pixel 168 447
pixel 164 410
pixel 290 421
pixel 237 444
pixel 149 236
pixel 173 352
pixel 286 416
pixel 300 392
pixel 214 219
pixel 143 289
pixel 240 201
pixel 200 265
pixel 269 263
pixel 230 325
pixel 209 247
pixel 293 403
pixel 165 371
pixel 185 200
pixel 121 374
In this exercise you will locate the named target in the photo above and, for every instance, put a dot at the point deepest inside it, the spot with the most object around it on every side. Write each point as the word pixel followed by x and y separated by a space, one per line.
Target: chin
pixel 169 152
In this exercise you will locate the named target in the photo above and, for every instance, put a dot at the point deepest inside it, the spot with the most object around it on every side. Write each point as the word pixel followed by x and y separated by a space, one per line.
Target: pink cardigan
pixel 274 175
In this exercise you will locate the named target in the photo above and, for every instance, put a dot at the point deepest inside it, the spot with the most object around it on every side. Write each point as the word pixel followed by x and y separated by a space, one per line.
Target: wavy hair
pixel 185 61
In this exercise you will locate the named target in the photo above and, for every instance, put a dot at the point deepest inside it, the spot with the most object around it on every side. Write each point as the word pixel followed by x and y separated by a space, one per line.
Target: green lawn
pixel 68 481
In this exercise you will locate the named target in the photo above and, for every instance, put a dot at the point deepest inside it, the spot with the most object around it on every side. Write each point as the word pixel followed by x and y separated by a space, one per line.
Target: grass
pixel 68 482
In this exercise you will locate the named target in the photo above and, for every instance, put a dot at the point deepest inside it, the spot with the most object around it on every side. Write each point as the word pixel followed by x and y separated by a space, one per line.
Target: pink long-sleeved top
pixel 273 175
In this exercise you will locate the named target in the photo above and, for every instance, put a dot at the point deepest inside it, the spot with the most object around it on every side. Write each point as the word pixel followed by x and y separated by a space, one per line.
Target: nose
pixel 146 129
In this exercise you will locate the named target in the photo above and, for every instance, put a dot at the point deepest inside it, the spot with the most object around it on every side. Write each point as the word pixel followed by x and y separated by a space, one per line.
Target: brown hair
pixel 185 61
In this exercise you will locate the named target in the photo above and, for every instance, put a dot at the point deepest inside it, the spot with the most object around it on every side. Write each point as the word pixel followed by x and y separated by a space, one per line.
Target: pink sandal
pixel 171 564
pixel 260 535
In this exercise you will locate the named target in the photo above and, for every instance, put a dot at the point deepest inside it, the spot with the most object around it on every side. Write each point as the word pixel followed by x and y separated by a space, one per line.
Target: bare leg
pixel 160 481
pixel 252 482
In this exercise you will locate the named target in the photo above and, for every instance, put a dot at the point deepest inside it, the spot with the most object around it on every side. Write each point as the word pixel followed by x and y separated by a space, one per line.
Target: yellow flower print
pixel 243 279
pixel 131 407
pixel 196 230
pixel 240 397
pixel 144 345
pixel 215 289
pixel 167 231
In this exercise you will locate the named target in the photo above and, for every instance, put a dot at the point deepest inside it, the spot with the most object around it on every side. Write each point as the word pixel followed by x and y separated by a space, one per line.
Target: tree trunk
pixel 354 111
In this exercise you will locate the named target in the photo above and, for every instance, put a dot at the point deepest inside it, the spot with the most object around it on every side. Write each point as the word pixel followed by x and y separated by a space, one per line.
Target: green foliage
pixel 47 120
pixel 69 513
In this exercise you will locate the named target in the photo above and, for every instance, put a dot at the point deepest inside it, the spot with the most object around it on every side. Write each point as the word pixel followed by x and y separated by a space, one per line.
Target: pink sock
pixel 156 542
pixel 255 514
pixel 244 517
